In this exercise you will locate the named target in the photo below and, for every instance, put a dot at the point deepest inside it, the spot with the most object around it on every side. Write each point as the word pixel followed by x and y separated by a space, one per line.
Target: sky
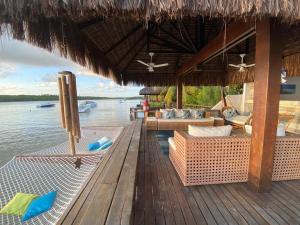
pixel 26 69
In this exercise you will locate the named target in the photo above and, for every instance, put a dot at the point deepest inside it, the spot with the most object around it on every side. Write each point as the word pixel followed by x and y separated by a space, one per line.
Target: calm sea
pixel 25 128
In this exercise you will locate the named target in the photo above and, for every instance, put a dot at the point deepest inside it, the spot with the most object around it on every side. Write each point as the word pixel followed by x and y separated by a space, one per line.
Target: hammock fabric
pixel 40 175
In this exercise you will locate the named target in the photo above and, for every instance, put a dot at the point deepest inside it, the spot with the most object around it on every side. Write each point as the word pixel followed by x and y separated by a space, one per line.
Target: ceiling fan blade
pixel 236 66
pixel 161 65
pixel 146 64
pixel 250 65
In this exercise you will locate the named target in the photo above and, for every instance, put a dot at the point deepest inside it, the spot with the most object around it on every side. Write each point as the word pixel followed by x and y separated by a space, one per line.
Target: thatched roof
pixel 110 36
pixel 151 90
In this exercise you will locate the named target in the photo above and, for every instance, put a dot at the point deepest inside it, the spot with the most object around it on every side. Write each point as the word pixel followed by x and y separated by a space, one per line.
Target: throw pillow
pixel 170 114
pixel 18 205
pixel 186 114
pixel 220 131
pixel 229 113
pixel 40 205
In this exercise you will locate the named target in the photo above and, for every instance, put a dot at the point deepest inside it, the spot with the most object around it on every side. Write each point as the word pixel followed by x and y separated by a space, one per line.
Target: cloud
pixel 6 69
pixel 101 85
pixel 49 78
pixel 19 52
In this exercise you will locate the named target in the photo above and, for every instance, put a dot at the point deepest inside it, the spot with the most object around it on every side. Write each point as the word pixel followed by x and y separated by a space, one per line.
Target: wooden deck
pixel 162 199
pixel 107 197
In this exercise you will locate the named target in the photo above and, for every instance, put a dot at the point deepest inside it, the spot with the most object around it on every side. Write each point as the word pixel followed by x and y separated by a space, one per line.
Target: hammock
pixel 39 173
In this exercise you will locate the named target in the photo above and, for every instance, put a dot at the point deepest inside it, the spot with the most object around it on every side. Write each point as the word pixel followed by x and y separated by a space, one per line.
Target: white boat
pixel 83 108
pixel 92 104
pixel 45 105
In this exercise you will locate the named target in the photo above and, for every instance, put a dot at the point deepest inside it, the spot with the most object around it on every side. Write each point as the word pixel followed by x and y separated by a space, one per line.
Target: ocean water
pixel 24 128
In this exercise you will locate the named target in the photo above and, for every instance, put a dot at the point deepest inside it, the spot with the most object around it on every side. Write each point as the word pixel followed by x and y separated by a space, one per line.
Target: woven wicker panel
pixel 177 163
pixel 286 164
pixel 217 160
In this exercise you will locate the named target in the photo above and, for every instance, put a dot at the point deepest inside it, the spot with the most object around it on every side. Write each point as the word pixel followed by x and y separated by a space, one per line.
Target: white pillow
pixel 220 131
pixel 178 113
pixel 280 129
pixel 163 113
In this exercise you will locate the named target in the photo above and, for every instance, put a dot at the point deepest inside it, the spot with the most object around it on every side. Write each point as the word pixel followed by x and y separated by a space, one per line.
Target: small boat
pixel 83 108
pixel 45 105
pixel 122 100
pixel 92 104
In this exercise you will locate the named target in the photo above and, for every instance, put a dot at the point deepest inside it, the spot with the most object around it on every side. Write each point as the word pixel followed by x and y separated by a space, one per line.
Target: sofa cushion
pixel 280 129
pixel 197 113
pixel 229 113
pixel 178 113
pixel 172 143
pixel 238 119
pixel 170 114
pixel 220 131
pixel 178 120
pixel 186 114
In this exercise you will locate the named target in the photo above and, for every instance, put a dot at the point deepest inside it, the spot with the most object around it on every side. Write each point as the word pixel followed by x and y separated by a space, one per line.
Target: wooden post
pixel 223 97
pixel 266 104
pixel 179 93
pixel 69 107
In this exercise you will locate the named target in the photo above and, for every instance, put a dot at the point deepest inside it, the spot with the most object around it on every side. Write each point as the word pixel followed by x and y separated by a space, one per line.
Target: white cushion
pixel 178 113
pixel 176 120
pixel 151 118
pixel 241 120
pixel 172 143
pixel 164 113
pixel 220 131
pixel 280 129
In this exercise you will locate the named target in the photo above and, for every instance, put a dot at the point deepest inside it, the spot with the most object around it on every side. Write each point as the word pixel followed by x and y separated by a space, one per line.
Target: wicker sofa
pixel 214 160
pixel 159 123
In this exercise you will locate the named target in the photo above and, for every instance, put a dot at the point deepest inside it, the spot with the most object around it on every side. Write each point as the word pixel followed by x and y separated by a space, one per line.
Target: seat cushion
pixel 241 120
pixel 18 205
pixel 172 143
pixel 177 120
pixel 150 118
pixel 220 131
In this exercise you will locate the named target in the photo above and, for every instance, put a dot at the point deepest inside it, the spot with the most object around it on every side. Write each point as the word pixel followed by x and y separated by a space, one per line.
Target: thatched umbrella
pixel 151 90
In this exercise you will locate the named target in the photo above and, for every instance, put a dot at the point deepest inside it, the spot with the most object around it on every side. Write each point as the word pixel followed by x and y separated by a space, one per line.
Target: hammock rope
pixel 42 174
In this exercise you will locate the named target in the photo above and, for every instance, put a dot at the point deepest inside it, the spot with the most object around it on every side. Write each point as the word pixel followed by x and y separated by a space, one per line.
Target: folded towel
pixel 94 146
pixel 101 144
pixel 106 145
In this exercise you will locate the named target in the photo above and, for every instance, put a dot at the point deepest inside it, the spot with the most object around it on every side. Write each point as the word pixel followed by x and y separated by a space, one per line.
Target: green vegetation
pixel 205 96
pixel 21 98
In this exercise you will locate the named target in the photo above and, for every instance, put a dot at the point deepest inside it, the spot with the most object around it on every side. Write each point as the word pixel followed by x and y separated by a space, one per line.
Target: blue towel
pixel 94 146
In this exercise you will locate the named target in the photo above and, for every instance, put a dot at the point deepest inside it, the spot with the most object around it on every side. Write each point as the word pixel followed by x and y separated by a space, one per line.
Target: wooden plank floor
pixel 162 199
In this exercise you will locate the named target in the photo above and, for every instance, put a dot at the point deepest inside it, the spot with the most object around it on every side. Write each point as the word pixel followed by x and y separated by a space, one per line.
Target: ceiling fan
pixel 242 65
pixel 151 65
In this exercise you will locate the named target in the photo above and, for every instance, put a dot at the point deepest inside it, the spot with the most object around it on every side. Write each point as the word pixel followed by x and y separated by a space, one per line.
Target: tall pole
pixel 266 104
pixel 69 107
pixel 179 93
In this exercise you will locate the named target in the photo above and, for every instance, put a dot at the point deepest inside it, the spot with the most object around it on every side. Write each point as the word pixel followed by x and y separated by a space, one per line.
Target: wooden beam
pixel 232 35
pixel 266 104
pixel 135 29
pixel 179 93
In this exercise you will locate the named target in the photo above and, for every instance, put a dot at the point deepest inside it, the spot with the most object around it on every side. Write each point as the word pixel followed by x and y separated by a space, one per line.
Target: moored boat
pixel 45 105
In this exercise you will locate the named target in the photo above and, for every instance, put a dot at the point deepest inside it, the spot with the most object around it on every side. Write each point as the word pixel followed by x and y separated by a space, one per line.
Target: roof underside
pixel 109 39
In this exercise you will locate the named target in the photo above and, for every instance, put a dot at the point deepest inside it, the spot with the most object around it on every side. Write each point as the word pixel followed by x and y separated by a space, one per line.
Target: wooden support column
pixel 266 104
pixel 179 93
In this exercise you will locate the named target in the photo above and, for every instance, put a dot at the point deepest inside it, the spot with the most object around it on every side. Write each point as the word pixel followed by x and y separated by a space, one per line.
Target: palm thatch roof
pixel 151 90
pixel 110 36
